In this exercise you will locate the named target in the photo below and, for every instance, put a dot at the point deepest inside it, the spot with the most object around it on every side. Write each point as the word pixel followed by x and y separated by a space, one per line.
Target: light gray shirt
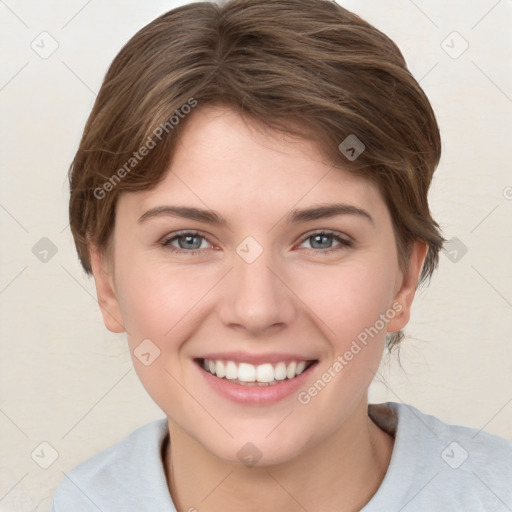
pixel 434 467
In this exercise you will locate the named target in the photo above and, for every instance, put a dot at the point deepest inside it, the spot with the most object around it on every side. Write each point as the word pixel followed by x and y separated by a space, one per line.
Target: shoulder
pixel 461 442
pixel 449 466
pixel 113 478
pixel 409 422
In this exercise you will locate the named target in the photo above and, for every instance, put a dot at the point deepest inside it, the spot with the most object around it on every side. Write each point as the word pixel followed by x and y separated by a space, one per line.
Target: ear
pixel 406 286
pixel 107 299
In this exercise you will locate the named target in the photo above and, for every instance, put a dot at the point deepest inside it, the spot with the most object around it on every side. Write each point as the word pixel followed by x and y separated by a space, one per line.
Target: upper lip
pixel 255 359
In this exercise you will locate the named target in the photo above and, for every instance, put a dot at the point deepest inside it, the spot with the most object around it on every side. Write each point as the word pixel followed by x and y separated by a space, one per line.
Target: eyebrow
pixel 295 216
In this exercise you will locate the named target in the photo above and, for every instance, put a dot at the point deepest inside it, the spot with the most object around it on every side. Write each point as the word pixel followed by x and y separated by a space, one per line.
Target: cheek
pixel 160 303
pixel 350 302
pixel 348 298
pixel 155 297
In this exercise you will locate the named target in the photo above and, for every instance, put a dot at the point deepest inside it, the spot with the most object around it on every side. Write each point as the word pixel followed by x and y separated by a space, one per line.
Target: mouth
pixel 261 375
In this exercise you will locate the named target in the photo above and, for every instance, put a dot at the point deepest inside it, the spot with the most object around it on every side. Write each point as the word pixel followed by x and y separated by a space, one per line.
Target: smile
pixel 266 374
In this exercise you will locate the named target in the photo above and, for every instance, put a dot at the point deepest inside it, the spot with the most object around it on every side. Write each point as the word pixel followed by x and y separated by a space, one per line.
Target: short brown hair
pixel 306 67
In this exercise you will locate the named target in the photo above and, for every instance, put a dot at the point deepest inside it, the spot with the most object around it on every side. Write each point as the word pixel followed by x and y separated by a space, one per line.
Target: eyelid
pixel 343 236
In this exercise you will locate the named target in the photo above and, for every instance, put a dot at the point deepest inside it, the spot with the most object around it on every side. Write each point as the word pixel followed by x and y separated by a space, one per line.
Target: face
pixel 260 283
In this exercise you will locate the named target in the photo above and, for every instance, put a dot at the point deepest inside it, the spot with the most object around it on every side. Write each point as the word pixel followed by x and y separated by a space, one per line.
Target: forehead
pixel 224 160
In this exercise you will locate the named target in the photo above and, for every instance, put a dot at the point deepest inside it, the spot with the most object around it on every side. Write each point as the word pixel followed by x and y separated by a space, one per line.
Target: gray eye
pixel 320 241
pixel 191 241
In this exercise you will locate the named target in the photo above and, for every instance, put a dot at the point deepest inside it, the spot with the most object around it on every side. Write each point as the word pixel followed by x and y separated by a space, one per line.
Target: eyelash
pixel 343 242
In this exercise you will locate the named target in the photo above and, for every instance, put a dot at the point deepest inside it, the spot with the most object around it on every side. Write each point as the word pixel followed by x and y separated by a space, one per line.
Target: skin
pixel 296 297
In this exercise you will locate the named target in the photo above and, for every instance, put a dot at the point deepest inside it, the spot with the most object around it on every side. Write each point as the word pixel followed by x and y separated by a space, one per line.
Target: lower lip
pixel 254 394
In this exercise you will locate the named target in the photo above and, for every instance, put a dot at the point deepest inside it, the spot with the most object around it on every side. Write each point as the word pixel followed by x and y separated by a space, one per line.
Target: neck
pixel 340 474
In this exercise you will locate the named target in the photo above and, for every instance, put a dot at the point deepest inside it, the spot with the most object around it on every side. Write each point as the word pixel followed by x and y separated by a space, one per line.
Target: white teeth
pixel 290 370
pixel 264 373
pixel 220 371
pixel 280 371
pixel 300 368
pixel 245 372
pixel 231 370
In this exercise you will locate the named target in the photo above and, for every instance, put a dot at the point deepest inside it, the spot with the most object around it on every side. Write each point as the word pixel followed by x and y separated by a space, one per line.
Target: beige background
pixel 67 381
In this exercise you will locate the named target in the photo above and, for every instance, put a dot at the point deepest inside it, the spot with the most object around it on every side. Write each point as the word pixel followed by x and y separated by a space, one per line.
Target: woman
pixel 250 195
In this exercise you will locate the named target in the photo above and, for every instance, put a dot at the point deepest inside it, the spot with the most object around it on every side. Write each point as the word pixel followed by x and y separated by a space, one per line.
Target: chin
pixel 256 449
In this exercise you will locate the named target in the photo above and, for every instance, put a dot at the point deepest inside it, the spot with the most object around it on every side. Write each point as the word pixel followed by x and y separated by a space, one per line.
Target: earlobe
pixel 107 299
pixel 407 290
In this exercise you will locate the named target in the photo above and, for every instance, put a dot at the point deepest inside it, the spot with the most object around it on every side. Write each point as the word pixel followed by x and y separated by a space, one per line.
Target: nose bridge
pixel 255 295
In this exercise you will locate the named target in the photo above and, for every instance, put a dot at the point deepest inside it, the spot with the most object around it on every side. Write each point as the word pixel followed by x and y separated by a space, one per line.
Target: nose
pixel 256 297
